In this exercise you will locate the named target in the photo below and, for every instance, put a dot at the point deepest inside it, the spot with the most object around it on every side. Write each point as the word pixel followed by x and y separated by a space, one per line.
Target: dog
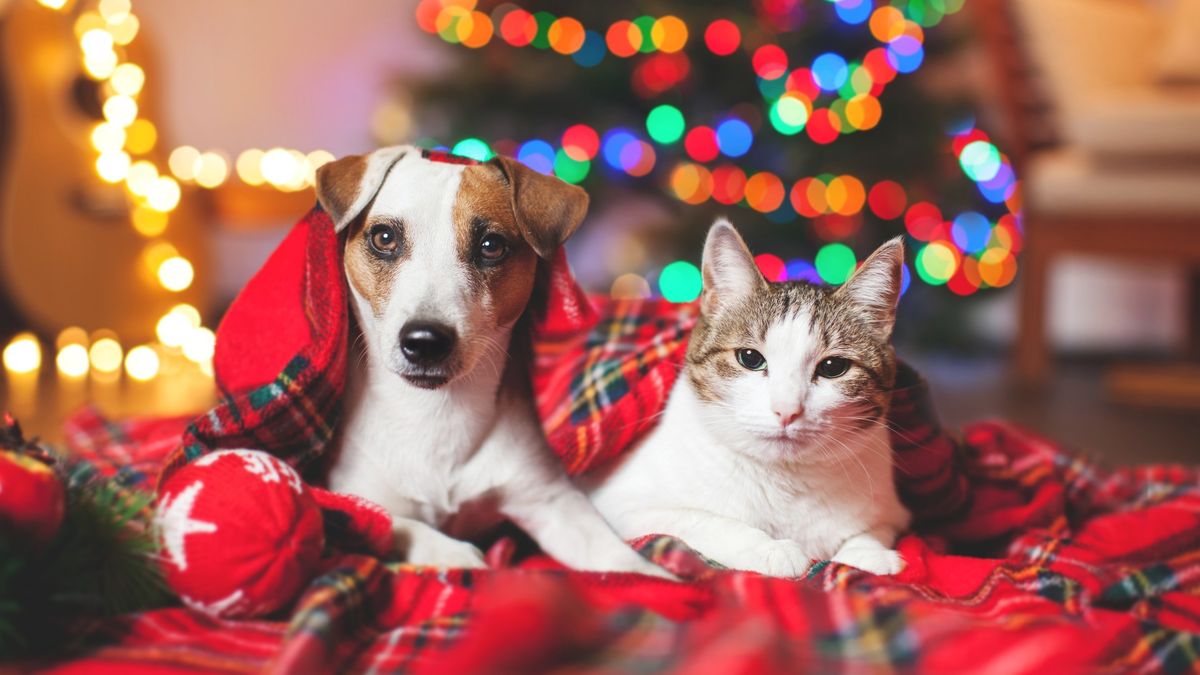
pixel 440 429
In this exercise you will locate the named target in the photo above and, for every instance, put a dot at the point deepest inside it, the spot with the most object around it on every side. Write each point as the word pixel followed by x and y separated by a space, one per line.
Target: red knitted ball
pixel 241 535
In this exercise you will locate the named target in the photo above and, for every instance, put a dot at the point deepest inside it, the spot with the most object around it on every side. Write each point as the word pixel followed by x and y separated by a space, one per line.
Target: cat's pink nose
pixel 786 417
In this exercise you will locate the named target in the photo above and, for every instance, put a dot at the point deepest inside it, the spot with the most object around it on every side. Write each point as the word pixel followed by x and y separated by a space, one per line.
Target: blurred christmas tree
pixel 800 120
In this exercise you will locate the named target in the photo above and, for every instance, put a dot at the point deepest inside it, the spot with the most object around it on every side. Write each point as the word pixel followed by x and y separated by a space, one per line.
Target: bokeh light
pixel 835 263
pixel 680 281
pixel 722 37
pixel 665 124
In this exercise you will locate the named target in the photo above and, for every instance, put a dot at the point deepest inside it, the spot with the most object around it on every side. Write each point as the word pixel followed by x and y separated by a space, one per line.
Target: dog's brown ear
pixel 548 209
pixel 345 186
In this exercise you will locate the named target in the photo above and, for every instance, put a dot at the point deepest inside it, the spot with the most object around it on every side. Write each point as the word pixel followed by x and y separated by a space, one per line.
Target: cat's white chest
pixel 683 473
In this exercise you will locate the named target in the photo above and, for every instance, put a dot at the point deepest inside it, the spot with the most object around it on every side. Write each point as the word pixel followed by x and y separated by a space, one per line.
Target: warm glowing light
pixel 89 21
pixel 124 32
pixel 176 274
pixel 96 40
pixel 100 64
pixel 72 335
pixel 141 137
pixel 147 221
pixel 211 170
pixel 173 328
pixel 107 137
pixel 53 4
pixel 106 355
pixel 114 11
pixel 113 166
pixel 141 363
pixel 630 287
pixel 141 177
pixel 72 360
pixel 128 79
pixel 23 354
pixel 182 162
pixel 316 159
pixel 164 194
pixel 278 167
pixel 199 345
pixel 249 166
pixel 120 110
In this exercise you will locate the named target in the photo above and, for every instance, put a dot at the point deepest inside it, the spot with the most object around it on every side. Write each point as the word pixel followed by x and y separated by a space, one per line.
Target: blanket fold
pixel 1023 558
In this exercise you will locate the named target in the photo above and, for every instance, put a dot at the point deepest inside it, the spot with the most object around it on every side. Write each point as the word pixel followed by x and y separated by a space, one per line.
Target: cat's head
pixel 790 370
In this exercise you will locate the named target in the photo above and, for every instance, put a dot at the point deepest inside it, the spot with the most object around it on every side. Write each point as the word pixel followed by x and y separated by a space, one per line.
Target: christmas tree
pixel 803 121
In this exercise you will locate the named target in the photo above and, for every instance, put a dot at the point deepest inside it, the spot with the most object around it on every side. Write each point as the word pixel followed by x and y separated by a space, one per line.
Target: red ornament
pixel 32 498
pixel 241 534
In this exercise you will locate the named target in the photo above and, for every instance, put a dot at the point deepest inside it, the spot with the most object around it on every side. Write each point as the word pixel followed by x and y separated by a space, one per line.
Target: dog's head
pixel 441 256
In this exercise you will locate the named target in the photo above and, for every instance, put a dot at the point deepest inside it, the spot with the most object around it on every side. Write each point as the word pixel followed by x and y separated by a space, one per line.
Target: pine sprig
pixel 101 563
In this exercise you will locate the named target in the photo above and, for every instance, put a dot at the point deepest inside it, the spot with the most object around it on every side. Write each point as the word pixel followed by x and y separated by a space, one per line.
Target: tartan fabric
pixel 1024 558
pixel 1056 565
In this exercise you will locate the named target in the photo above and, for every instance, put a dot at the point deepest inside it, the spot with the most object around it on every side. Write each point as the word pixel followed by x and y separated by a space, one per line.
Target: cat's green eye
pixel 750 359
pixel 834 366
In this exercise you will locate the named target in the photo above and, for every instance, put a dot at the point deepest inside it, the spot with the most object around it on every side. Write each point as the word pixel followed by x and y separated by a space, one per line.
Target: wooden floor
pixel 1074 409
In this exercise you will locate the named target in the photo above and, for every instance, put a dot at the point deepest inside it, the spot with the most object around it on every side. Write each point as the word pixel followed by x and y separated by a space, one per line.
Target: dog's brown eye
pixel 834 366
pixel 493 248
pixel 384 239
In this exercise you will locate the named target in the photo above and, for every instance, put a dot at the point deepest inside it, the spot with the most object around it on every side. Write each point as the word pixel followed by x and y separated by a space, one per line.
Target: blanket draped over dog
pixel 1023 558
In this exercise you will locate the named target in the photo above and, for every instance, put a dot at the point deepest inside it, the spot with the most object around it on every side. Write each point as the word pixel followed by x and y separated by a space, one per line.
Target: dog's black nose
pixel 425 343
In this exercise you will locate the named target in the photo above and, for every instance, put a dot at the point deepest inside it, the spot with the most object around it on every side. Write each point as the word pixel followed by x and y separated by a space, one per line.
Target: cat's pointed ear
pixel 728 270
pixel 875 286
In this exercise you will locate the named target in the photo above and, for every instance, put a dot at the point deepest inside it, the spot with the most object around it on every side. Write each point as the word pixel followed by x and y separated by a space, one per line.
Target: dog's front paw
pixel 775 558
pixel 875 561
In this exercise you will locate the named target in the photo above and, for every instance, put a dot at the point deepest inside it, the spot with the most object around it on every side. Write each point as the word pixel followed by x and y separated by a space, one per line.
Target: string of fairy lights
pixel 827 98
pixel 123 143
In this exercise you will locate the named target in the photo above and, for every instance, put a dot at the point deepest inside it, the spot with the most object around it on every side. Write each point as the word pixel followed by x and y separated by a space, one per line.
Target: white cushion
pixel 1064 181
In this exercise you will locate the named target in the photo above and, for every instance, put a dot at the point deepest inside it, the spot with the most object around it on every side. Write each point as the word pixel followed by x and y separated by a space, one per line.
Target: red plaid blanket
pixel 1024 558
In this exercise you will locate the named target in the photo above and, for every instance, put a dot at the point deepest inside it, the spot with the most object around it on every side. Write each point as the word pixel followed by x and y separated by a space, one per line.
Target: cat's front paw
pixel 776 558
pixel 875 561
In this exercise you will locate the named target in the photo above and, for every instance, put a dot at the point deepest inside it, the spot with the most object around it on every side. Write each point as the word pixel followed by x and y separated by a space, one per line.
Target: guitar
pixel 69 255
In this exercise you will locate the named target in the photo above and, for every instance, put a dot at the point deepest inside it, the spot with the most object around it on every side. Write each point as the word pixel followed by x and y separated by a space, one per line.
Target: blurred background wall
pixel 802 120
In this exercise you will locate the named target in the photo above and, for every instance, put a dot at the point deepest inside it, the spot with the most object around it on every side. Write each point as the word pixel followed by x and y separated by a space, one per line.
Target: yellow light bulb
pixel 148 222
pixel 142 363
pixel 106 355
pixel 128 79
pixel 124 32
pixel 188 312
pixel 163 194
pixel 175 274
pixel 113 166
pixel 173 328
pixel 141 137
pixel 100 65
pixel 199 345
pixel 278 167
pixel 89 21
pixel 141 178
pixel 121 110
pixel 53 4
pixel 249 166
pixel 211 170
pixel 72 360
pixel 96 40
pixel 74 335
pixel 108 137
pixel 183 162
pixel 114 11
pixel 23 354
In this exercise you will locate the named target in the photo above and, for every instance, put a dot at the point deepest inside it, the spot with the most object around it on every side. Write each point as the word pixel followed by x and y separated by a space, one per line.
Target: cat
pixel 773 448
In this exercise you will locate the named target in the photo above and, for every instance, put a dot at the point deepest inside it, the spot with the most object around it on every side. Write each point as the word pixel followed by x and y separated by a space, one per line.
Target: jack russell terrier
pixel 440 426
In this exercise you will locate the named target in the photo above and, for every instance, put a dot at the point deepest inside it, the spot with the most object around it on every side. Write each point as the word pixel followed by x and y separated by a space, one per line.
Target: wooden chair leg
pixel 1192 346
pixel 1032 351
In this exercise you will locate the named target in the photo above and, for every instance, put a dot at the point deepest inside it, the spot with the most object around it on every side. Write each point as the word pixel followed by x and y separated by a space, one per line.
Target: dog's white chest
pixel 409 449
